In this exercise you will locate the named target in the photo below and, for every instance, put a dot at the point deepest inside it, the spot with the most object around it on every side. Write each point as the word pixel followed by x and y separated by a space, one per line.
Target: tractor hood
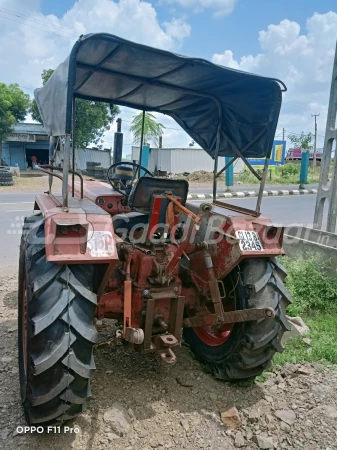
pixel 205 99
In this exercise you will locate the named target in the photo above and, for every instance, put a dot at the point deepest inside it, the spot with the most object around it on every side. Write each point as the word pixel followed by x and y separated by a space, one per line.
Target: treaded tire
pixel 6 176
pixel 251 345
pixel 60 331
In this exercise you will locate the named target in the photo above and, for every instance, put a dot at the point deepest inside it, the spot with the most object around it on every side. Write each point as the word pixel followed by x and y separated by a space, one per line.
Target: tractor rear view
pixel 135 250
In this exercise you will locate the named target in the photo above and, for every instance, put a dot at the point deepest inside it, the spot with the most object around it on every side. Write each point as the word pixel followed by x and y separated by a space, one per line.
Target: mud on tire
pixel 251 346
pixel 60 332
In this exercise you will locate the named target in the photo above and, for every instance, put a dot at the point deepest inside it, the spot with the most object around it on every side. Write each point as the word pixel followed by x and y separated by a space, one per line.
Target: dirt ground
pixel 33 184
pixel 138 404
pixel 40 184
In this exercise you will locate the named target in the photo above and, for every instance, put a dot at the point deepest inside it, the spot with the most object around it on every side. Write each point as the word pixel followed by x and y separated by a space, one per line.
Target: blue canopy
pixel 205 99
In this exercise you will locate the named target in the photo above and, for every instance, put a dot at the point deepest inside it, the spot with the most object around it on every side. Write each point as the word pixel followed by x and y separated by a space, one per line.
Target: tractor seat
pixel 141 201
pixel 127 221
pixel 142 193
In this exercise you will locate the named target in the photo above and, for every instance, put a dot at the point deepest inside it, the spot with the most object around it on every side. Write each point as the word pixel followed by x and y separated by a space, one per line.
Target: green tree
pixel 302 141
pixel 152 129
pixel 92 119
pixel 13 109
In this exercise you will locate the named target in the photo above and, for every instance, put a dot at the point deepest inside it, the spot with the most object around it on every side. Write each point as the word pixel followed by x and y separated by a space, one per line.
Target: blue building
pixel 26 140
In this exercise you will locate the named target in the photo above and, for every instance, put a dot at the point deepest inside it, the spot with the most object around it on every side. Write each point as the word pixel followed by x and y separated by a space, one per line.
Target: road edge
pixel 270 193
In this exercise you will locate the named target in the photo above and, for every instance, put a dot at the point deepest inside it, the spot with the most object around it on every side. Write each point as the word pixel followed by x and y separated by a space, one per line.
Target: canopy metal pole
pixel 216 160
pixel 262 184
pixel 73 148
pixel 141 141
pixel 51 158
pixel 66 164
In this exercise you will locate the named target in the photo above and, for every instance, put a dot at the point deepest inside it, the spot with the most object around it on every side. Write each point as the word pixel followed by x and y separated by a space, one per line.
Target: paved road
pixel 207 188
pixel 287 210
pixel 14 207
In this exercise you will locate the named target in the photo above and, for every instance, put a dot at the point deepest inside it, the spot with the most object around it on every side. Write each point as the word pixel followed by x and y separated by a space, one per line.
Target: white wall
pixel 179 160
pixel 84 155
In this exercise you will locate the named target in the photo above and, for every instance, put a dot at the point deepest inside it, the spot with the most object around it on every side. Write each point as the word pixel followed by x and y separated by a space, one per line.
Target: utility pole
pixel 328 194
pixel 283 130
pixel 315 141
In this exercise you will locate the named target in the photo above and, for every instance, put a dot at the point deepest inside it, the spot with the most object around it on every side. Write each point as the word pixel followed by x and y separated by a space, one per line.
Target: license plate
pixel 249 241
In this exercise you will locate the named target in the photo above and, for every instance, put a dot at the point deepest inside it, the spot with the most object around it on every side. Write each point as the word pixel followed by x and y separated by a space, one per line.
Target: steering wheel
pixel 124 186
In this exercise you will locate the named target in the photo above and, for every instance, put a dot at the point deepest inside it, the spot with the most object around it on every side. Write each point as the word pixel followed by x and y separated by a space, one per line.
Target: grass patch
pixel 312 283
pixel 323 335
pixel 287 174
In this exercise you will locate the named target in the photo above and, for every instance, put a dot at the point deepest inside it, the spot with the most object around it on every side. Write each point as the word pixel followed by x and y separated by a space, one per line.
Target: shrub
pixel 290 170
pixel 312 283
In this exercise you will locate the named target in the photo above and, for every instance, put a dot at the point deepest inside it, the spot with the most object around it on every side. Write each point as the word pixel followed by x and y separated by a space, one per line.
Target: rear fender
pixel 82 235
pixel 79 238
pixel 225 236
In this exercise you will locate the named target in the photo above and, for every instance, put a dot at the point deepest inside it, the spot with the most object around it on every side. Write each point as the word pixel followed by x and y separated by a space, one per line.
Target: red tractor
pixel 133 250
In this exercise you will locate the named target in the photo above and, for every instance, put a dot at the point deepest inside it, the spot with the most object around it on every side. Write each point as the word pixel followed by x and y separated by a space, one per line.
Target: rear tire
pixel 250 347
pixel 56 332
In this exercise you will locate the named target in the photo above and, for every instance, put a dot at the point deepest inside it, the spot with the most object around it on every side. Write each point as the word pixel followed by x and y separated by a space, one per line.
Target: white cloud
pixel 302 60
pixel 226 59
pixel 177 29
pixel 220 7
pixel 32 41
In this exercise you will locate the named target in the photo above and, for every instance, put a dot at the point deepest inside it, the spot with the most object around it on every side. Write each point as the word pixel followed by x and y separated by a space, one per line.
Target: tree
pixel 13 109
pixel 302 141
pixel 152 129
pixel 92 119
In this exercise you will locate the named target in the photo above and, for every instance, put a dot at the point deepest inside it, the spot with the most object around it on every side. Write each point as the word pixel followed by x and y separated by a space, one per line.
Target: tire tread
pixel 251 354
pixel 60 343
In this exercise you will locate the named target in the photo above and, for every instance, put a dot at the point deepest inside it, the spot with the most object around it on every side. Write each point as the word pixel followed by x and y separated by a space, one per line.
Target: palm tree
pixel 152 129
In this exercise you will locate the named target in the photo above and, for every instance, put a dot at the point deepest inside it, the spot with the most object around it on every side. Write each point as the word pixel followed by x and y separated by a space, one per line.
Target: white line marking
pixel 271 197
pixel 16 203
pixel 19 210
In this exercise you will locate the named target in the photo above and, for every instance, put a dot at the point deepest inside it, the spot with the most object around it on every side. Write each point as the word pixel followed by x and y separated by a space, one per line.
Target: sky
pixel 294 41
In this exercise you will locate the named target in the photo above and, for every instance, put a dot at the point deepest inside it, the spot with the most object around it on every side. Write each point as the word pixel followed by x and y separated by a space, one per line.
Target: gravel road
pixel 138 404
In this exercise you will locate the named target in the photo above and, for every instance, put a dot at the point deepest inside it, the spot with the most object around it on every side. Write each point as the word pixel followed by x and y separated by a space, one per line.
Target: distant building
pixel 26 140
pixel 100 156
pixel 180 160
pixel 31 139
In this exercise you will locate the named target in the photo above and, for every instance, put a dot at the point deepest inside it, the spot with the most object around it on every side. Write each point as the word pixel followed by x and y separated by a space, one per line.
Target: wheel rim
pixel 214 338
pixel 24 326
pixel 208 335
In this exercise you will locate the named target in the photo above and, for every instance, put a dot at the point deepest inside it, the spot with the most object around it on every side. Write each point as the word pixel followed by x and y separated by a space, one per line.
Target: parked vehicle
pixel 295 154
pixel 135 250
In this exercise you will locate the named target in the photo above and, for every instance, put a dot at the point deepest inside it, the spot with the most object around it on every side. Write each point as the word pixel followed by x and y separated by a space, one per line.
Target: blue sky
pixel 238 31
pixel 290 40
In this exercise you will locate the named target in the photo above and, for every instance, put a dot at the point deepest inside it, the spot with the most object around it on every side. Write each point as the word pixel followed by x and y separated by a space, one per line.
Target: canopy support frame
pixel 141 144
pixel 153 82
pixel 254 212
pixel 232 161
